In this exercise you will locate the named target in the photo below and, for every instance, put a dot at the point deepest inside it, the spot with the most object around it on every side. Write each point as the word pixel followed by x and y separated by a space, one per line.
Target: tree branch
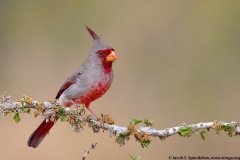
pixel 78 119
pixel 88 151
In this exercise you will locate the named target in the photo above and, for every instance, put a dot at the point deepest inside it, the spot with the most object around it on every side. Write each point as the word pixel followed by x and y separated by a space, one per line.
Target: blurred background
pixel 178 61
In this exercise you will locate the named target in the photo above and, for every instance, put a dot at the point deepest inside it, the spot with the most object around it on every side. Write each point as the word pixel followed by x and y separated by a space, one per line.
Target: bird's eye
pixel 100 53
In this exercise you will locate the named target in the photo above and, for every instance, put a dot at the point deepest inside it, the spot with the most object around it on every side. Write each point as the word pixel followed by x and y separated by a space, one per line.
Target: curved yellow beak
pixel 111 57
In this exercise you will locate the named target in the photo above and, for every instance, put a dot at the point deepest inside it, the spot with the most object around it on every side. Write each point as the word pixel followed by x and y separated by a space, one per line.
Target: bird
pixel 90 81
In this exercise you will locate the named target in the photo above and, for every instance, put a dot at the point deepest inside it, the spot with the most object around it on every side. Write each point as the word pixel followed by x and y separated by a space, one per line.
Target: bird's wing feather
pixel 71 80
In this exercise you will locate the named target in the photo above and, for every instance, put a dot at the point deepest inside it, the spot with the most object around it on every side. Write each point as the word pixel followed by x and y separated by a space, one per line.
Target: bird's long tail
pixel 38 135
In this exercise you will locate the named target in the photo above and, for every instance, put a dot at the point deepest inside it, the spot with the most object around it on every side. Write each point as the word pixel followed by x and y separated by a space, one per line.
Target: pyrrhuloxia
pixel 88 83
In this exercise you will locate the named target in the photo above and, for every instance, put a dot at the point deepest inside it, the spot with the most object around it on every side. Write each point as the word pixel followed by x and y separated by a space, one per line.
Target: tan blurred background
pixel 178 61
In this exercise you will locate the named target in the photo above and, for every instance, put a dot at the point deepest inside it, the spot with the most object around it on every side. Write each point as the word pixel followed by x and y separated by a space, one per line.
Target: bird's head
pixel 101 54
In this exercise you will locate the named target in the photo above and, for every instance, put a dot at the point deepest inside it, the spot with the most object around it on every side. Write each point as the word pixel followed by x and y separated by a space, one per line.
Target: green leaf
pixel 135 157
pixel 202 134
pixel 120 139
pixel 28 110
pixel 135 121
pixel 22 103
pixel 61 111
pixel 63 118
pixel 228 128
pixel 148 122
pixel 6 113
pixel 185 131
pixel 145 143
pixel 16 118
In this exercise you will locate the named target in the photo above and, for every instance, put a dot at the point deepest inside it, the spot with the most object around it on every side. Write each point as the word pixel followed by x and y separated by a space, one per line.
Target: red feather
pixel 38 135
pixel 92 34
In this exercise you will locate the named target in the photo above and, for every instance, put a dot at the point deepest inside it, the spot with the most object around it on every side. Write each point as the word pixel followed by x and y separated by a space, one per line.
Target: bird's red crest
pixel 92 34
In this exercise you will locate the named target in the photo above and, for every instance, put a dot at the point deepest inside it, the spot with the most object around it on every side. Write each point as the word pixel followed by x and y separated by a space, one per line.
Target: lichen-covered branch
pixel 87 152
pixel 78 119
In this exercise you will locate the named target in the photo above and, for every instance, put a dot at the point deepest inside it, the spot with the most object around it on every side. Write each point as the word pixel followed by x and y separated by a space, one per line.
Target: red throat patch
pixel 107 65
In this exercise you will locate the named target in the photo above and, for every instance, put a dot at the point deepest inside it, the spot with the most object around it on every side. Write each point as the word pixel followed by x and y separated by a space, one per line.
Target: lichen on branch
pixel 78 119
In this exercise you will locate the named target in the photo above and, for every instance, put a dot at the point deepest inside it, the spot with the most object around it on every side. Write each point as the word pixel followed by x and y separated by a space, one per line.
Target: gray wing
pixel 71 80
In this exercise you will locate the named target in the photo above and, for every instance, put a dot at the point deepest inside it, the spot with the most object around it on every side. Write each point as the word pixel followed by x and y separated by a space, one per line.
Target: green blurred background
pixel 178 61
